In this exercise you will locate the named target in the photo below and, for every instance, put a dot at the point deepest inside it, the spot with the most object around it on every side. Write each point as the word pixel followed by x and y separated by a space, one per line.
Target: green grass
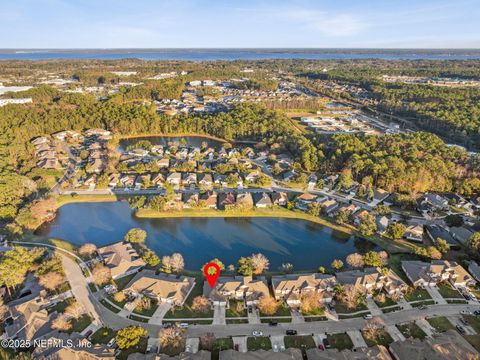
pixel 392 309
pixel 343 309
pixel 186 312
pixel 102 336
pixel 317 311
pixel 473 321
pixel 340 341
pixel 80 324
pixel 259 343
pixel 441 323
pixel 61 306
pixel 120 304
pixel 417 294
pixel 147 312
pixel 223 344
pixel 411 330
pixel 315 318
pixel 109 307
pixel 448 292
pixel 232 311
pixel 141 347
pixel 138 318
pixel 123 281
pixel 459 301
pixel 299 342
pixel 279 320
pixel 388 302
pixel 92 287
pixel 382 337
pixel 421 303
pixel 474 340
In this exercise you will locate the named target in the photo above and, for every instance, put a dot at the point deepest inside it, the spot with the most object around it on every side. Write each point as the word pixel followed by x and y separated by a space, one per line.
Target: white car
pixel 257 333
pixel 183 325
pixel 368 317
pixel 111 342
pixel 466 312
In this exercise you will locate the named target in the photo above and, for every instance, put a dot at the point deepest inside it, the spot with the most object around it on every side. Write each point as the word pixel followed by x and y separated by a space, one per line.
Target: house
pixel 262 200
pixel 442 346
pixel 158 179
pixel 251 176
pixel 382 223
pixel 189 200
pixel 461 234
pixel 205 180
pixel 174 178
pixel 128 180
pixel 209 199
pixel 171 289
pixel 226 200
pixel 436 232
pixel 312 181
pixel 430 274
pixel 291 287
pixel 474 269
pixel 360 216
pixel 27 320
pixel 329 206
pixel 289 175
pixel 190 179
pixel 279 198
pixel 121 258
pixel 414 233
pixel 113 180
pixel 236 288
pixel 40 140
pixel 245 200
pixel 371 279
pixel 304 200
pixel 378 196
pixel 220 179
pixel 163 163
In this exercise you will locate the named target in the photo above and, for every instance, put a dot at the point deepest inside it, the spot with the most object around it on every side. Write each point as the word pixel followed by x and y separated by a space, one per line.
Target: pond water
pixel 195 141
pixel 305 244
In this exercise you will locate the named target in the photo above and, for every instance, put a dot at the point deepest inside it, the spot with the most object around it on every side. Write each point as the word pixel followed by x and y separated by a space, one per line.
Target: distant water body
pixel 240 54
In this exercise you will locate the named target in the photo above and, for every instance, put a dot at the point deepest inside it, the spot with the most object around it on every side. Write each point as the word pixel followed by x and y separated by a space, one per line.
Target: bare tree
pixel 207 341
pixel 75 310
pixel 201 304
pixel 260 263
pixel 101 274
pixel 372 330
pixel 62 323
pixel 87 249
pixel 350 296
pixel 119 297
pixel 310 301
pixel 268 305
pixel 143 303
pixel 177 263
pixel 172 339
pixel 355 260
pixel 167 264
pixel 51 280
pixel 383 257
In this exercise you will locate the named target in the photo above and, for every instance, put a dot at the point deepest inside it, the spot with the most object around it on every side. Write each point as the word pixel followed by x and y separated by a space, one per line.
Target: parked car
pixel 461 329
pixel 149 349
pixel 476 312
pixel 273 323
pixel 421 307
pixel 250 310
pixel 466 312
pixel 88 333
pixel 112 342
pixel 326 343
pixel 368 317
pixel 463 321
pixel 237 347
pixel 257 333
pixel 291 332
pixel 183 325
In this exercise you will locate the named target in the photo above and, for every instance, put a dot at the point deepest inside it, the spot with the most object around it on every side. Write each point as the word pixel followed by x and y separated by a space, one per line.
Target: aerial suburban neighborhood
pixel 288 180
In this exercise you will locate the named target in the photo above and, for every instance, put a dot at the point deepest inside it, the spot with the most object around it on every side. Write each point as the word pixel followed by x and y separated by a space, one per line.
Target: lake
pixel 305 244
pixel 241 54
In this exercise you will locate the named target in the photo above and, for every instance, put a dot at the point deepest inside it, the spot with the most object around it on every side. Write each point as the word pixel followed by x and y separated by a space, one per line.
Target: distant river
pixel 240 54
pixel 305 244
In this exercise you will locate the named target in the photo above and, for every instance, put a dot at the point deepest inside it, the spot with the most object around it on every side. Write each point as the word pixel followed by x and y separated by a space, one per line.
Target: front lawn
pixel 109 306
pixel 146 312
pixel 60 306
pixel 299 342
pixel 341 308
pixel 340 341
pixel 123 281
pixel 448 292
pixel 441 323
pixel 186 312
pixel 388 302
pixel 474 340
pixel 236 309
pixel 417 294
pixel 80 324
pixel 411 330
pixel 318 311
pixel 279 320
pixel 382 337
pixel 258 343
pixel 473 321
pixel 102 336
pixel 223 344
pixel 141 347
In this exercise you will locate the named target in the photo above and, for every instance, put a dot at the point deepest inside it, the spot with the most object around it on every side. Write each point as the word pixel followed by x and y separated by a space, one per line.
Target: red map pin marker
pixel 212 272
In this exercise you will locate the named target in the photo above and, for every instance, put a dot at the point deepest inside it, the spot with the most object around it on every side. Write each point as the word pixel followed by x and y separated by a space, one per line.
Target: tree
pixel 157 203
pixel 135 235
pixel 474 243
pixel 130 336
pixel 434 253
pixel 337 264
pixel 119 297
pixel 215 261
pixel 383 210
pixel 207 341
pixel 15 263
pixel 51 280
pixel 355 260
pixel 454 220
pixel 372 330
pixel 75 310
pixel 101 274
pixel 87 249
pixel 322 270
pixel 172 340
pixel 367 226
pixel 395 231
pixel 372 258
pixel 61 323
pixel 314 209
pixel 268 305
pixel 151 258
pixel 343 216
pixel 245 266
pixel 177 263
pixel 310 302
pixel 350 296
pixel 442 246
pixel 201 304
pixel 260 263
pixel 286 268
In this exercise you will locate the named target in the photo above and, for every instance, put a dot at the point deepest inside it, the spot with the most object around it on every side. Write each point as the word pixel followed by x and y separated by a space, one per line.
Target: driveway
pixel 357 339
pixel 426 327
pixel 435 294
pixel 373 307
pixel 191 345
pixel 219 315
pixel 395 333
pixel 277 343
pixel 254 316
pixel 297 317
pixel 241 341
pixel 159 314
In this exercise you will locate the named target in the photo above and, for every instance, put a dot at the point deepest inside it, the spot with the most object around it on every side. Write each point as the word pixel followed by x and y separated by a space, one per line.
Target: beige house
pixel 236 288
pixel 121 258
pixel 172 289
pixel 430 274
pixel 290 287
pixel 27 320
pixel 371 279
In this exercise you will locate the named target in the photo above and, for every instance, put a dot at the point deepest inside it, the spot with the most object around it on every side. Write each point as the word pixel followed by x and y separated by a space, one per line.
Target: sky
pixel 239 24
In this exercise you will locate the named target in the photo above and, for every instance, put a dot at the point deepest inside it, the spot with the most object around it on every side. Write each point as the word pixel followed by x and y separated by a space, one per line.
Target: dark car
pixel 273 323
pixel 26 293
pixel 88 333
pixel 461 329
pixel 326 343
pixel 237 348
pixel 250 310
pixel 477 312
pixel 291 332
